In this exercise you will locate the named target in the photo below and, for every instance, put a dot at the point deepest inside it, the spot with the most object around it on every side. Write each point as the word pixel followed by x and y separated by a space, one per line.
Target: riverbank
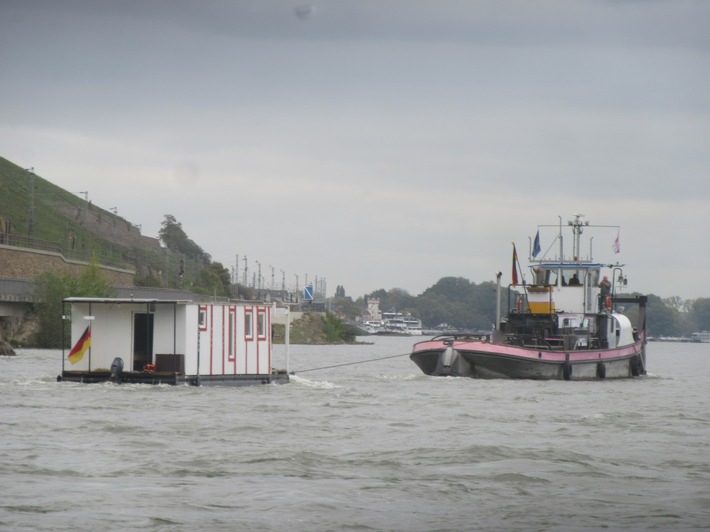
pixel 317 329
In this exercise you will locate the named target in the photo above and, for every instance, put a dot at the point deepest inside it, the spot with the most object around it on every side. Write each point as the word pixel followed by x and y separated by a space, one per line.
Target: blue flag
pixel 536 244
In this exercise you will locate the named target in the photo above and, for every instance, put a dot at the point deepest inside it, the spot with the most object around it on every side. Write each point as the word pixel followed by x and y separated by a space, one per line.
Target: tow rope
pixel 353 363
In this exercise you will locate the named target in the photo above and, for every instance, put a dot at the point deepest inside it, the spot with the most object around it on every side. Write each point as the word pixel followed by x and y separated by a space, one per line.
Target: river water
pixel 368 446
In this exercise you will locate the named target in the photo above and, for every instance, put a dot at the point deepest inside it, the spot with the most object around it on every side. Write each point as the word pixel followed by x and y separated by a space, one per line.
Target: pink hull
pixel 482 359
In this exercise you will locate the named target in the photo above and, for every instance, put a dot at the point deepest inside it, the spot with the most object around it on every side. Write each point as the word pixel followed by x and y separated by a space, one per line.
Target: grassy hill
pixel 37 214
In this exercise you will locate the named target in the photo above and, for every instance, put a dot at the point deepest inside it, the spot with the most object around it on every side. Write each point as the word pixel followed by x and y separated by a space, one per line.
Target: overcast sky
pixel 376 144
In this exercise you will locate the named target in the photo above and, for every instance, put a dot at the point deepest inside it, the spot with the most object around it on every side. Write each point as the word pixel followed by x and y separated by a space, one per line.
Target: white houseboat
pixel 157 341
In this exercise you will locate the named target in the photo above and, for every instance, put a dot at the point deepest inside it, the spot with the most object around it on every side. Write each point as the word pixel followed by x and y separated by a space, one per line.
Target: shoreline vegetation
pixel 316 329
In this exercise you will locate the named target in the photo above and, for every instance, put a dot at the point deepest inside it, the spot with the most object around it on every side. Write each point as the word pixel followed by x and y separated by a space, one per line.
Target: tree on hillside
pixel 701 313
pixel 50 288
pixel 93 283
pixel 459 303
pixel 175 239
pixel 661 319
pixel 214 280
pixel 396 299
pixel 344 307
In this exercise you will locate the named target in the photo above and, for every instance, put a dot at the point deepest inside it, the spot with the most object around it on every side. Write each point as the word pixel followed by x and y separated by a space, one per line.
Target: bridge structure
pixel 15 297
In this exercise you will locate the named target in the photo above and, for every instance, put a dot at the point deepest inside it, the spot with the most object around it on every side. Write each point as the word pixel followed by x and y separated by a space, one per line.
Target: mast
pixel 577 230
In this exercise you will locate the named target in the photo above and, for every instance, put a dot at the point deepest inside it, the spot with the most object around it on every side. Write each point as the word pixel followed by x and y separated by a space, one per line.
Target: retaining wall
pixel 20 263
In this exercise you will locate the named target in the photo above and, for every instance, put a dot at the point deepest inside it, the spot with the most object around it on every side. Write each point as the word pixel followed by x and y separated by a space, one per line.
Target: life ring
pixel 607 302
pixel 149 368
pixel 601 370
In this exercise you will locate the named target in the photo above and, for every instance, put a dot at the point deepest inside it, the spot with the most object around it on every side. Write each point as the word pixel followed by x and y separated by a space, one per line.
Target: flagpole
pixel 516 264
pixel 64 315
pixel 90 336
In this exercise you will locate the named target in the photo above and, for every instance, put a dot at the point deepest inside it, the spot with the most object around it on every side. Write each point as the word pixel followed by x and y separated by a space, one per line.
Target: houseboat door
pixel 142 340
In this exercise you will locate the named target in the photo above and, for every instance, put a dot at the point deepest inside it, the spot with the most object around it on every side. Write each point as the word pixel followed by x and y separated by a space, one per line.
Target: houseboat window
pixel 202 318
pixel 261 324
pixel 232 327
pixel 248 323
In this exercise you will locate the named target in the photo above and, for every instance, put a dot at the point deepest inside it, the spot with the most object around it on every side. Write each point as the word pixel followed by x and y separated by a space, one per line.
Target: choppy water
pixel 374 446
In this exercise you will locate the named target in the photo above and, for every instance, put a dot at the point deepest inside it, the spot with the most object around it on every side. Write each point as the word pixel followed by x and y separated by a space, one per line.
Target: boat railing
pixel 565 342
pixel 464 336
pixel 534 341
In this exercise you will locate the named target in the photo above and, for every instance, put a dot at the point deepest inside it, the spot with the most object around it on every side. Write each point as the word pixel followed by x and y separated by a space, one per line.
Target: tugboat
pixel 570 323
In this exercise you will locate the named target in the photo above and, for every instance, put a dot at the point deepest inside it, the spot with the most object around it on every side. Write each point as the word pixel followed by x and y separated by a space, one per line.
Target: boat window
pixel 572 277
pixel 540 275
pixel 593 277
pixel 552 276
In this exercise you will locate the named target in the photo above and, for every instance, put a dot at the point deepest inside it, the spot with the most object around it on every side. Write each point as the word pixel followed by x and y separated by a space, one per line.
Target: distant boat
pixel 399 324
pixel 554 329
pixel 703 337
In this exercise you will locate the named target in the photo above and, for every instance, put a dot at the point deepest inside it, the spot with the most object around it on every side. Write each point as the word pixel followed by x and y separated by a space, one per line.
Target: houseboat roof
pixel 125 300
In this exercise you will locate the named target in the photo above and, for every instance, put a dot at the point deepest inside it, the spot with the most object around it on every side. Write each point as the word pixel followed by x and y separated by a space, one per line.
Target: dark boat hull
pixel 485 360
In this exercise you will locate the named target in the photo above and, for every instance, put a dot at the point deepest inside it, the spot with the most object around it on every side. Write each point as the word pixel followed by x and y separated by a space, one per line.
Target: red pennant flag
pixel 515 269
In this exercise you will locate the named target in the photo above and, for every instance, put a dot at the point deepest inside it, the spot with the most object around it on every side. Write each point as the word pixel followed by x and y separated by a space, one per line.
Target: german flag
pixel 84 343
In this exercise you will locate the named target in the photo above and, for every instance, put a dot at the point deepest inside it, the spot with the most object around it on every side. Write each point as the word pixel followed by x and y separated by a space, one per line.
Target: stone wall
pixel 16 263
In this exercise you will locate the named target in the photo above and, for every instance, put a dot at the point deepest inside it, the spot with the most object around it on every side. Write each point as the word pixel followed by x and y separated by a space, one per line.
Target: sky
pixel 376 143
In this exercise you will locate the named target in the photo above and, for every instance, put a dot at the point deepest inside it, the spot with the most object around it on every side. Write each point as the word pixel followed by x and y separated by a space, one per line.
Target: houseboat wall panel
pixel 168 322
